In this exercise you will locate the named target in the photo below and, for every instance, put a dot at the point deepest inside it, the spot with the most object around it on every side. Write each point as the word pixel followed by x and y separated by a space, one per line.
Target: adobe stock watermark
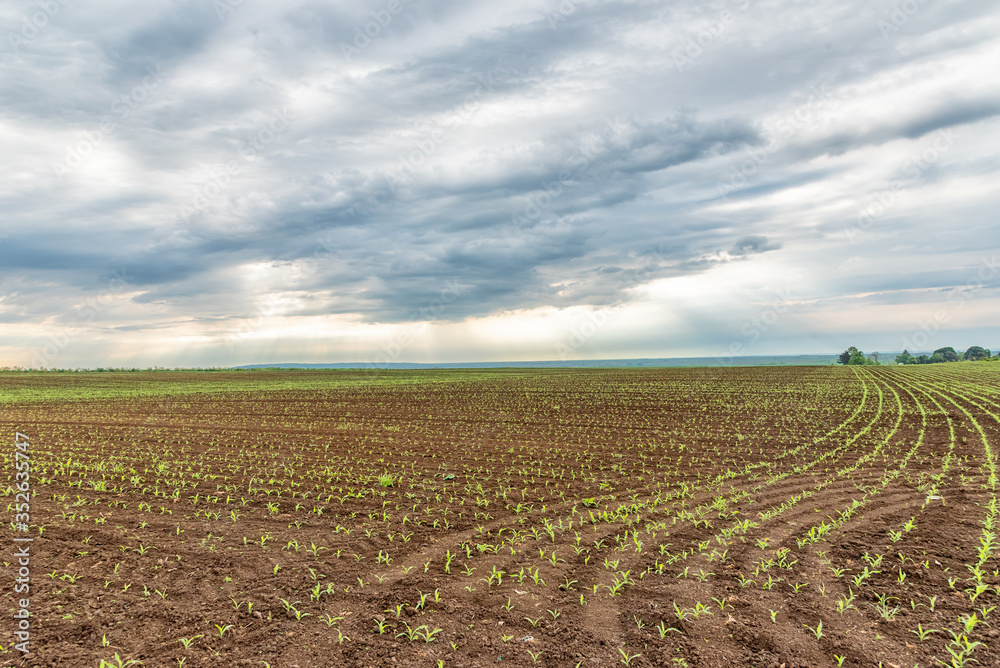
pixel 22 543
pixel 784 129
pixel 912 170
pixel 264 310
pixel 425 148
pixel 326 243
pixel 898 17
pixel 448 294
pixel 758 325
pixel 310 265
pixel 364 33
pixel 88 311
pixel 707 37
pixel 223 8
pixel 591 324
pixel 32 24
pixel 549 191
pixel 121 108
pixel 564 10
pixel 928 328
pixel 222 177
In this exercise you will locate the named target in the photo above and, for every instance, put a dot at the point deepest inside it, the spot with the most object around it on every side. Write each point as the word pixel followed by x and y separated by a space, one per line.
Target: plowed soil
pixel 651 517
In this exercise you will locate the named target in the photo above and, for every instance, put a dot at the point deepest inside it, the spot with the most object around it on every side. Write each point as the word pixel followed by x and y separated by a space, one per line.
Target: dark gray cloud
pixel 753 244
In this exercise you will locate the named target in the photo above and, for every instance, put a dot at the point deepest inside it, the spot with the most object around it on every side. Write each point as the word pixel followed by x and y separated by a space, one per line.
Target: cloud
pixel 514 158
pixel 752 245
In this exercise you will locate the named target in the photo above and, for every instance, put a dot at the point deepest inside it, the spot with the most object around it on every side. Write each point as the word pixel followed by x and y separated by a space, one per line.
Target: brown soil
pixel 609 501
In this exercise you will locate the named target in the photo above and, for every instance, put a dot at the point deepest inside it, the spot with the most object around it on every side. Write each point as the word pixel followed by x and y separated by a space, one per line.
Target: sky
pixel 224 182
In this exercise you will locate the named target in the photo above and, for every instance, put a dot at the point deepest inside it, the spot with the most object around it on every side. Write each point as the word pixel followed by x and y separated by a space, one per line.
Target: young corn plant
pixel 626 658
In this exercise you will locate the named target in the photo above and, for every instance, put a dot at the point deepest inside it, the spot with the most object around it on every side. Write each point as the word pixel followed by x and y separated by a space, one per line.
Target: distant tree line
pixel 853 356
pixel 947 354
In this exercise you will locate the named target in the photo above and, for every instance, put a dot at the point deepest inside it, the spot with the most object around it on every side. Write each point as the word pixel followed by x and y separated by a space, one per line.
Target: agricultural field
pixel 806 516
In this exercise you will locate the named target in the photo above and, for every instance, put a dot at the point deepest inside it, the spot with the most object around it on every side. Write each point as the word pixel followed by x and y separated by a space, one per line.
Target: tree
pixel 977 353
pixel 948 354
pixel 853 356
pixel 845 357
pixel 906 358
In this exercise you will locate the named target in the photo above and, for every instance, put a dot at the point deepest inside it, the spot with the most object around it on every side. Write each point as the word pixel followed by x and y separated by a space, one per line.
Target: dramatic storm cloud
pixel 187 182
